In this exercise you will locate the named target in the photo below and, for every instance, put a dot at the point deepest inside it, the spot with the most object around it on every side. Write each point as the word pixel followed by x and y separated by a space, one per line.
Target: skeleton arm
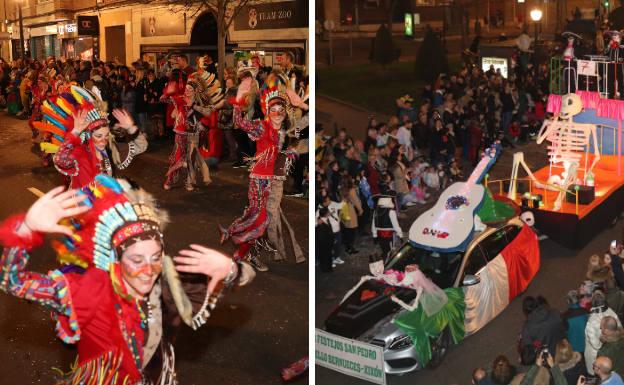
pixel 547 127
pixel 414 305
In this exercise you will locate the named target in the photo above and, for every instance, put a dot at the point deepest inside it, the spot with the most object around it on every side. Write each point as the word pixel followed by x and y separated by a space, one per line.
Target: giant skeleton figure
pixel 568 140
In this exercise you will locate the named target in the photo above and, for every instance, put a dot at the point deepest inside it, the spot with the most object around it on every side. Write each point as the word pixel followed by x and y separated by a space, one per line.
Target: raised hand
pixel 80 122
pixel 202 260
pixel 124 119
pixel 44 215
pixel 244 87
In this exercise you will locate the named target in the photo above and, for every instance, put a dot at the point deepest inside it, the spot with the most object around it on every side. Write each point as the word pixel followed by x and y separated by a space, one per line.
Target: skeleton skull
pixel 571 105
pixel 376 268
pixel 528 218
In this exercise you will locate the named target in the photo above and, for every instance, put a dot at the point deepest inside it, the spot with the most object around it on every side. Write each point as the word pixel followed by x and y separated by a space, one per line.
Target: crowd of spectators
pixel 420 150
pixel 584 344
pixel 25 83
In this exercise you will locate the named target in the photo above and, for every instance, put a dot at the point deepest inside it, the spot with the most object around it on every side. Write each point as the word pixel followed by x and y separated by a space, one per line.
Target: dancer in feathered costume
pixel 194 100
pixel 270 164
pixel 124 306
pixel 82 143
pixel 40 92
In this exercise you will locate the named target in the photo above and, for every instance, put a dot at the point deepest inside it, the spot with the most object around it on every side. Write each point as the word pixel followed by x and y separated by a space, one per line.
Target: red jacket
pixel 269 160
pixel 78 161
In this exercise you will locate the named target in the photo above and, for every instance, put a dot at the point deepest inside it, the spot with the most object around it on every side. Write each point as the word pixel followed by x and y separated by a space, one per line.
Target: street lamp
pixel 536 16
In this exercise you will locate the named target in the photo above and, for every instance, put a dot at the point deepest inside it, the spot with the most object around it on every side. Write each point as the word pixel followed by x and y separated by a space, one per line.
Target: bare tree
pixel 225 11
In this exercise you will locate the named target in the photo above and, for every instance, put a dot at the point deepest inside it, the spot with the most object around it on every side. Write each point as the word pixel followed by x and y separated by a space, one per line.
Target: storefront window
pixel 84 48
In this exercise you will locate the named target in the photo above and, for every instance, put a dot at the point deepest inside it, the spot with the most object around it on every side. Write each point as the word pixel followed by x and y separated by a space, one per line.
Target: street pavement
pixel 253 333
pixel 562 269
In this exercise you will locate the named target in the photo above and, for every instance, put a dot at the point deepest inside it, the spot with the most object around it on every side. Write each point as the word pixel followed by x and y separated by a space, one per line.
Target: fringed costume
pixel 121 340
pixel 271 163
pixel 194 100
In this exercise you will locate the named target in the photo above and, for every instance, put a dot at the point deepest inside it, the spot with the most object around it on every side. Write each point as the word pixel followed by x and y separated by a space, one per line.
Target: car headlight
pixel 400 342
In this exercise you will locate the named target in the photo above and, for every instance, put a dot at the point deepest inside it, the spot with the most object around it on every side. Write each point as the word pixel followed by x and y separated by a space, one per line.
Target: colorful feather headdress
pixel 117 213
pixel 58 114
pixel 274 91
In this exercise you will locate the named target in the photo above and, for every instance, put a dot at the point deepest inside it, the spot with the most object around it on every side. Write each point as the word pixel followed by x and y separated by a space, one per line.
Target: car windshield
pixel 441 268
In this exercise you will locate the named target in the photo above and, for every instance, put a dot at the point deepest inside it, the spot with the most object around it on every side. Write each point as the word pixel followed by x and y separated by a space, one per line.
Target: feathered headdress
pixel 58 114
pixel 274 91
pixel 206 88
pixel 118 213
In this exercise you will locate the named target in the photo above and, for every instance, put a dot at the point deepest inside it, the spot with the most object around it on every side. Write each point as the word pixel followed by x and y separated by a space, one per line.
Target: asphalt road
pixel 253 333
pixel 562 269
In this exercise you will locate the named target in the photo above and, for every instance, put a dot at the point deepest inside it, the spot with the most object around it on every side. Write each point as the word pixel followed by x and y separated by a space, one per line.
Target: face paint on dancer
pixel 141 264
pixel 100 138
pixel 277 114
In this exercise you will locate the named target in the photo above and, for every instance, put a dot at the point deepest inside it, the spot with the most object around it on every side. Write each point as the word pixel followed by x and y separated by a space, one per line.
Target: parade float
pixel 581 190
pixel 466 259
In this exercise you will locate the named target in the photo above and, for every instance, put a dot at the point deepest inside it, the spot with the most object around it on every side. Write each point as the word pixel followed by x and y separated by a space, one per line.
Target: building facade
pixel 125 31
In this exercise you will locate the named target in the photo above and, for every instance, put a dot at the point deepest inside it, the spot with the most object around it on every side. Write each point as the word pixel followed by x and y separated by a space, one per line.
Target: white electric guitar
pixel 447 225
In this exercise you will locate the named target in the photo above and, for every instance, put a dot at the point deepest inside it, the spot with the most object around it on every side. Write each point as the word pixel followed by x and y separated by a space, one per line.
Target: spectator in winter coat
pixel 569 361
pixel 543 325
pixel 575 321
pixel 544 373
pixel 616 264
pixel 612 337
pixel 349 212
pixel 599 310
pixel 325 238
pixel 372 174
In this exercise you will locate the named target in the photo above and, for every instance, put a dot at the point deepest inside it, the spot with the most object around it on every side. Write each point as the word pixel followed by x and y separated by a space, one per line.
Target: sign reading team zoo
pixel 283 14
pixel 353 358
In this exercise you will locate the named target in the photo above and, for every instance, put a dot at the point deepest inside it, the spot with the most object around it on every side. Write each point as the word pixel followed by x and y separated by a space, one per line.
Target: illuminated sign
pixel 71 28
pixel 409 25
pixel 499 63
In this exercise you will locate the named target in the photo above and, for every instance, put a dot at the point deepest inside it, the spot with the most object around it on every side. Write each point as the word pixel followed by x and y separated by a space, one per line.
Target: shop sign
pixel 350 357
pixel 88 26
pixel 160 23
pixel 285 14
pixel 71 28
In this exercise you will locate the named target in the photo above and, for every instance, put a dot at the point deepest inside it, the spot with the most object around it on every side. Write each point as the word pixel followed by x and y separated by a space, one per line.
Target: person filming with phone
pixel 536 375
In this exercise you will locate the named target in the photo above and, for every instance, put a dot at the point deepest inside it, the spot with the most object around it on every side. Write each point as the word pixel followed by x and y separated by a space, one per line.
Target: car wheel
pixel 439 347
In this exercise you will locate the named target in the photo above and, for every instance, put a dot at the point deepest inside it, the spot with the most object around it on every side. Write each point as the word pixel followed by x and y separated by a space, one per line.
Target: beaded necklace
pixel 107 168
pixel 130 338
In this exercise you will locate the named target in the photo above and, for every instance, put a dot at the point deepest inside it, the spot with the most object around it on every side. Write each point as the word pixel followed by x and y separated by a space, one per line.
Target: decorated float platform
pixel 575 224
pixel 585 210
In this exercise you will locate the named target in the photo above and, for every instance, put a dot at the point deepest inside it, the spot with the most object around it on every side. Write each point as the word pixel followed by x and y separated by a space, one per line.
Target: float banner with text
pixel 353 358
